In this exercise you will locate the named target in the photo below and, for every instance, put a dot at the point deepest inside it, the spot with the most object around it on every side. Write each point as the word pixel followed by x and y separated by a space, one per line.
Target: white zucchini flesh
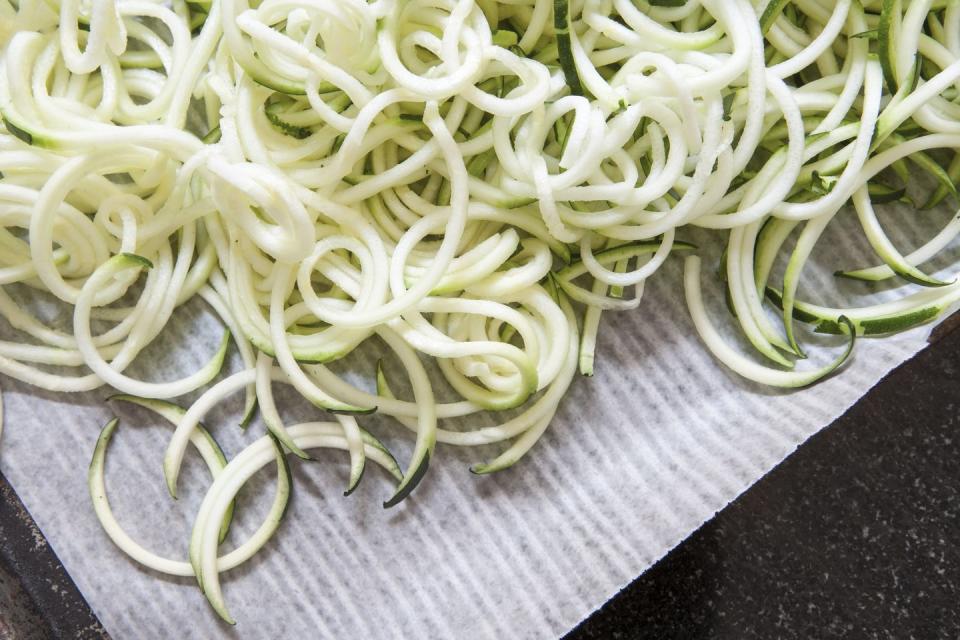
pixel 239 471
pixel 739 363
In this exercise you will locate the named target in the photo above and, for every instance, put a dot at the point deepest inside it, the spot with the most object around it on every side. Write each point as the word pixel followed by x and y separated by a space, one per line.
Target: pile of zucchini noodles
pixel 469 181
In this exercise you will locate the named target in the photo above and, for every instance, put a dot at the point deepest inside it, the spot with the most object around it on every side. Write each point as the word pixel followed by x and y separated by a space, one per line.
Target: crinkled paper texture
pixel 637 459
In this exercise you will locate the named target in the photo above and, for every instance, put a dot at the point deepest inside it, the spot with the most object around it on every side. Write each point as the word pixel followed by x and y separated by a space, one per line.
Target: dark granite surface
pixel 854 536
pixel 37 597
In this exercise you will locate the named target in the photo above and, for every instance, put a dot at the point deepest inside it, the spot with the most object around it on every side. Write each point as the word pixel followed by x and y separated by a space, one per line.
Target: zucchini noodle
pixel 465 185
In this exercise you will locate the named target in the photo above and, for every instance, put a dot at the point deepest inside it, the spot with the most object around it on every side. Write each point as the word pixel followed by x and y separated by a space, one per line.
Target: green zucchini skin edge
pixel 410 484
pixel 561 26
pixel 882 325
pixel 168 411
pixel 771 13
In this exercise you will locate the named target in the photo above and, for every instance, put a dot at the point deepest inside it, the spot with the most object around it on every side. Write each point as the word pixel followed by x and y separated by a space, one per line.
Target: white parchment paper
pixel 637 459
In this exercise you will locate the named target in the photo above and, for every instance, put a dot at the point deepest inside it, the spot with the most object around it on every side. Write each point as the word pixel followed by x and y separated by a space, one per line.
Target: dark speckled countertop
pixel 856 535
pixel 38 599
